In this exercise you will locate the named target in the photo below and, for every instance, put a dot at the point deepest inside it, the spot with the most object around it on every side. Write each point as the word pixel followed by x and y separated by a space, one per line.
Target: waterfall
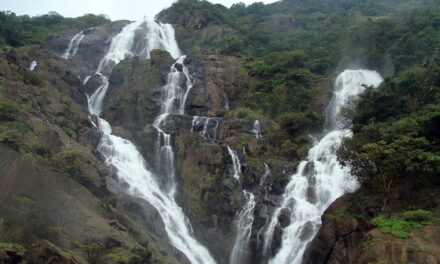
pixel 256 129
pixel 236 165
pixel 73 47
pixel 206 126
pixel 244 228
pixel 319 180
pixel 266 174
pixel 120 153
pixel 32 65
pixel 173 102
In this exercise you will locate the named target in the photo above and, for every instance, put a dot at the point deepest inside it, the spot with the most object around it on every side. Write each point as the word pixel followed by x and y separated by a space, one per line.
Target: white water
pixel 256 129
pixel 175 93
pixel 320 180
pixel 32 65
pixel 236 165
pixel 206 126
pixel 123 155
pixel 158 36
pixel 266 174
pixel 244 223
pixel 73 47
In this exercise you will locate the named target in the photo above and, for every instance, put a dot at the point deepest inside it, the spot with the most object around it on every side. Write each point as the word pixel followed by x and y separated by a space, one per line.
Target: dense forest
pixel 290 52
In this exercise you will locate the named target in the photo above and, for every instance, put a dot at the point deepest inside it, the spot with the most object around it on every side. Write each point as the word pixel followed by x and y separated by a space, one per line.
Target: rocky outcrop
pixel 134 93
pixel 340 237
pixel 196 29
pixel 52 185
pixel 219 82
pixel 345 237
pixel 92 48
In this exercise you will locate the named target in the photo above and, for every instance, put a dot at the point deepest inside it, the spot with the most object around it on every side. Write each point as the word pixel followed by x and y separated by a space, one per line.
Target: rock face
pixel 53 186
pixel 207 191
pixel 344 238
pixel 196 30
pixel 340 238
pixel 92 48
pixel 134 94
pixel 219 82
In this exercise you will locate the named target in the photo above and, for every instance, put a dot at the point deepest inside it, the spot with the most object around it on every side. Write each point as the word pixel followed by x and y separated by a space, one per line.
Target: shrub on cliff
pixel 396 143
pixel 8 110
pixel 245 113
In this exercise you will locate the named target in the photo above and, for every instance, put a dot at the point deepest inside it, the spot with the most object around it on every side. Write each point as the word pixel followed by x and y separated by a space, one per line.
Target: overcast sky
pixel 116 9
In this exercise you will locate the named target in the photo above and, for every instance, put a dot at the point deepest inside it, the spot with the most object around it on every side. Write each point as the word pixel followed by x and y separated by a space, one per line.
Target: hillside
pixel 303 131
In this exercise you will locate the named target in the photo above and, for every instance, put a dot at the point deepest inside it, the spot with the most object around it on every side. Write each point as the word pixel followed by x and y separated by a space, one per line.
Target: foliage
pixel 395 146
pixel 32 78
pixel 119 255
pixel 296 123
pixel 245 113
pixel 6 245
pixel 400 226
pixel 68 161
pixel 16 31
pixel 18 136
pixel 8 110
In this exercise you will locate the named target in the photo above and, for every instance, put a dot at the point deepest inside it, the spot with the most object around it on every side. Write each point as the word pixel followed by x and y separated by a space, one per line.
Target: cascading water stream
pixel 123 155
pixel 256 129
pixel 73 47
pixel 319 180
pixel 244 228
pixel 33 65
pixel 206 126
pixel 236 165
pixel 174 94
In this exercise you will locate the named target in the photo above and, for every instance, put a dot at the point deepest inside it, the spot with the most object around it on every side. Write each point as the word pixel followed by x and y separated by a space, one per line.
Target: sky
pixel 115 9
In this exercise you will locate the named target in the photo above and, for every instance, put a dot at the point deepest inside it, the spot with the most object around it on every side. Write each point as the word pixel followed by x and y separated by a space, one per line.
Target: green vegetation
pixel 16 31
pixel 8 110
pixel 6 245
pixel 400 226
pixel 395 146
pixel 68 161
pixel 18 136
pixel 245 113
pixel 118 255
pixel 292 47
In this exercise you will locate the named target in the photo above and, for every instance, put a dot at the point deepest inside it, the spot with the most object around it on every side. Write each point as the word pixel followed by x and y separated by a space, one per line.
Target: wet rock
pixel 92 48
pixel 133 96
pixel 284 217
pixel 121 132
pixel 187 60
pixel 276 239
pixel 338 236
pixel 178 66
pixel 92 84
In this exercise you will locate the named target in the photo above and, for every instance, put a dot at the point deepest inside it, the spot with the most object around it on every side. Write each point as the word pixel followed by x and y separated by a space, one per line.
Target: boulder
pixel 187 60
pixel 178 66
pixel 284 217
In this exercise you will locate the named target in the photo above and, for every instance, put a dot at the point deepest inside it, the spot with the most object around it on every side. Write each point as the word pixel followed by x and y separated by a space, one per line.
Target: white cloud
pixel 116 9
